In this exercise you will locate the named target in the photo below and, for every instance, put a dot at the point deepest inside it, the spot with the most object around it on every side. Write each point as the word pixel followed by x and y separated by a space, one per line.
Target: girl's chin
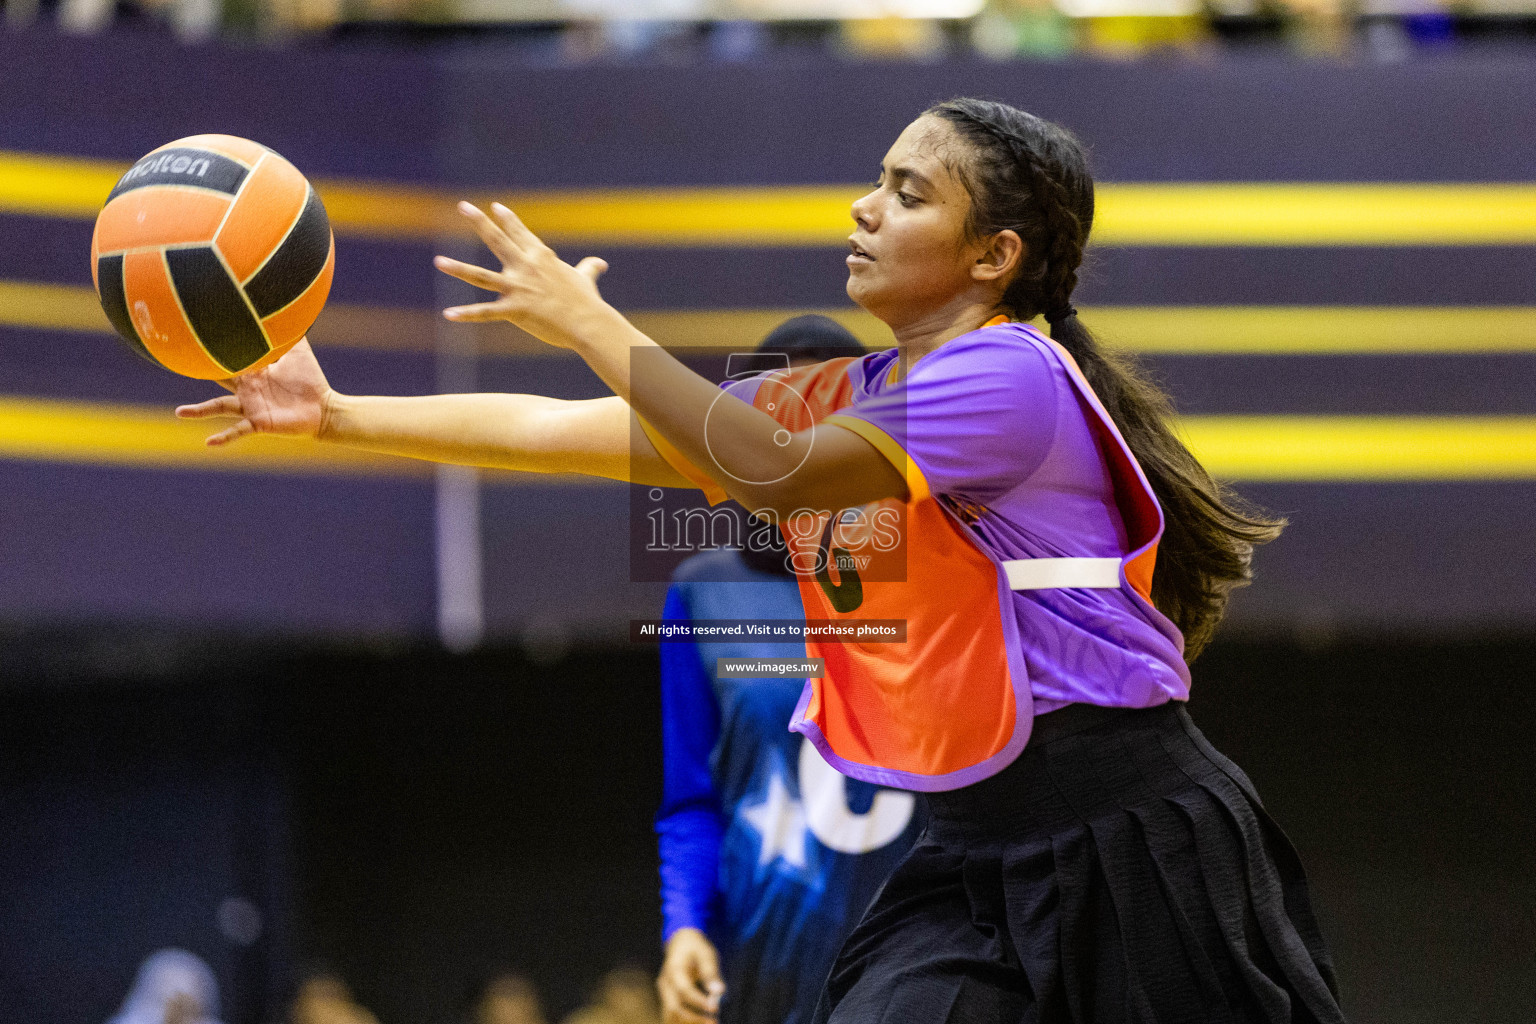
pixel 859 289
pixel 870 294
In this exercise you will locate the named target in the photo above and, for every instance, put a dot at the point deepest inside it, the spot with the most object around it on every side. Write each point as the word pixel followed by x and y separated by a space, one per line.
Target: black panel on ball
pixel 194 168
pixel 114 300
pixel 215 308
pixel 296 263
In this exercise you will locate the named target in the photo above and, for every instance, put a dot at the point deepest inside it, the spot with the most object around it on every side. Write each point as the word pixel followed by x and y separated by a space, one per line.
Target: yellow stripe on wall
pixel 1237 448
pixel 149 437
pixel 1158 330
pixel 1193 214
pixel 51 307
pixel 55 186
pixel 1315 330
pixel 1315 214
pixel 1364 448
pixel 809 215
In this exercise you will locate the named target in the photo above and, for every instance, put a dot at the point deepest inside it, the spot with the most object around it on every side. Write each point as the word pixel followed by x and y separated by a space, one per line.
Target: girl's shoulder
pixel 1011 335
pixel 1014 350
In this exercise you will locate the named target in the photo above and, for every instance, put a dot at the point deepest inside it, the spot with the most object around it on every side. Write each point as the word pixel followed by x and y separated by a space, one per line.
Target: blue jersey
pixel 764 846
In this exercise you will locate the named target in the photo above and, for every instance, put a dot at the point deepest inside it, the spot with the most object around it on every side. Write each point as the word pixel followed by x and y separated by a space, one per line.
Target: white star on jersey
pixel 780 820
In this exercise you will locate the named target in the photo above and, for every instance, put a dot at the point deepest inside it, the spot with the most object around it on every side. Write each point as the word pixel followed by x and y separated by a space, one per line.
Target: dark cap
pixel 812 337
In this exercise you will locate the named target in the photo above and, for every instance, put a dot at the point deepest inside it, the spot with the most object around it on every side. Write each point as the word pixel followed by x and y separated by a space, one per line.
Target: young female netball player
pixel 1089 856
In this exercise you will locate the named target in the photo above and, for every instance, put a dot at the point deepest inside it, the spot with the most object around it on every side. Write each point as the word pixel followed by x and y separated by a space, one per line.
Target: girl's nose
pixel 863 212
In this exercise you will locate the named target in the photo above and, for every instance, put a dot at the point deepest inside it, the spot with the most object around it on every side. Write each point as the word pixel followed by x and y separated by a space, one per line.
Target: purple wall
pixel 273 553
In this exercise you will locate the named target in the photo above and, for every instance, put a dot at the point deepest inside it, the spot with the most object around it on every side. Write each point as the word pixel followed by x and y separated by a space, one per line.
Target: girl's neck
pixel 917 338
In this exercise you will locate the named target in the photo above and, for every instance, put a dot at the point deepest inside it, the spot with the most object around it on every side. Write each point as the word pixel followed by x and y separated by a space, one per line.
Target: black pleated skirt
pixel 1121 870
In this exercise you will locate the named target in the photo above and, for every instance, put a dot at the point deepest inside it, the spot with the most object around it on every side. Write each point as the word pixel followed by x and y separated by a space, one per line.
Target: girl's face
pixel 912 256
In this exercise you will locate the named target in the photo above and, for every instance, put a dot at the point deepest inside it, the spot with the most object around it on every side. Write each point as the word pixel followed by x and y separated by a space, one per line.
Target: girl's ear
pixel 1003 255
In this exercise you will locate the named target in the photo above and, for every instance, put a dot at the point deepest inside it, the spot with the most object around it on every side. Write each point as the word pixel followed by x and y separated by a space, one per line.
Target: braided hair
pixel 1030 176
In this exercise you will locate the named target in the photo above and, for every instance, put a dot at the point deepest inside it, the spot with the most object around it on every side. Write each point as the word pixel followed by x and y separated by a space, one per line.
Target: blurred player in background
pixel 625 995
pixel 504 996
pixel 323 997
pixel 172 986
pixel 768 855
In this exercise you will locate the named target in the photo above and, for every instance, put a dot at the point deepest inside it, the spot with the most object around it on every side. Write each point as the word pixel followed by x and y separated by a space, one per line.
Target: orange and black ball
pixel 212 256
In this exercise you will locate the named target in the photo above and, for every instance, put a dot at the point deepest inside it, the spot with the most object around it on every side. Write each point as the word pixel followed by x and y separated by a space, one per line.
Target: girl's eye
pixel 904 199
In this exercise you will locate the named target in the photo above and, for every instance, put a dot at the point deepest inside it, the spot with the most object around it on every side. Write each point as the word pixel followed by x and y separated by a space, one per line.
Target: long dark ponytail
pixel 1031 176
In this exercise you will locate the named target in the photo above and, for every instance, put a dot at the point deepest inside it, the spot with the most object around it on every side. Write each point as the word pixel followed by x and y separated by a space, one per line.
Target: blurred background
pixel 321 738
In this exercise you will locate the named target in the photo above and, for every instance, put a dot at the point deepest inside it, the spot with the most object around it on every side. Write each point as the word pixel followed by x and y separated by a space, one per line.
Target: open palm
pixel 287 397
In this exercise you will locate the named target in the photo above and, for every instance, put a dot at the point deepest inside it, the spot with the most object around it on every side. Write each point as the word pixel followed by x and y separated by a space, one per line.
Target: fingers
pixel 491 234
pixel 671 1013
pixel 470 274
pixel 689 983
pixel 697 979
pixel 480 312
pixel 233 433
pixel 680 1002
pixel 224 405
pixel 690 1006
pixel 593 267
pixel 703 968
pixel 515 229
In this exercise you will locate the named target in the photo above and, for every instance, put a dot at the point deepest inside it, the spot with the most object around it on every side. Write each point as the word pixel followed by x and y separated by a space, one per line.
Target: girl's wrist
pixel 332 411
pixel 602 333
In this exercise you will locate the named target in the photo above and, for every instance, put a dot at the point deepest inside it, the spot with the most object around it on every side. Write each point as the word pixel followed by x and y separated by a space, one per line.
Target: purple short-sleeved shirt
pixel 1000 432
